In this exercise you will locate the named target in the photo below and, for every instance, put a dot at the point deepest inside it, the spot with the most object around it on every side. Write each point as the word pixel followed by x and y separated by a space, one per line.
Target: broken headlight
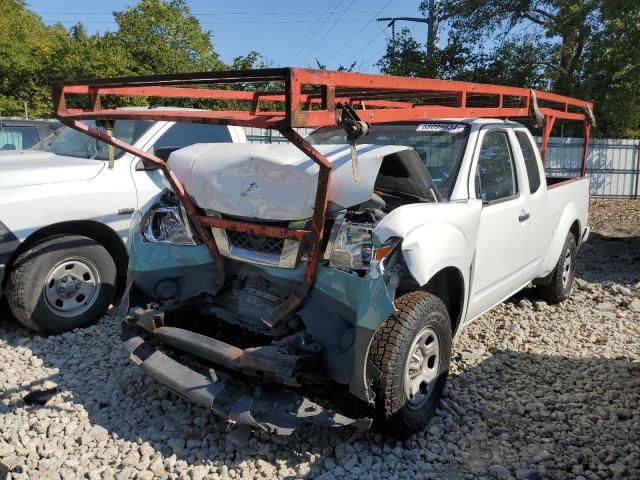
pixel 167 223
pixel 351 246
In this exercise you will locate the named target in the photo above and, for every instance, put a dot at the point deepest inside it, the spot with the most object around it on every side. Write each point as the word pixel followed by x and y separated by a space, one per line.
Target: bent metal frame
pixel 305 98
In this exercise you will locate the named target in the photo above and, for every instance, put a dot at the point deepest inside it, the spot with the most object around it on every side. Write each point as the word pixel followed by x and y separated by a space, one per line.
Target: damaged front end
pixel 238 363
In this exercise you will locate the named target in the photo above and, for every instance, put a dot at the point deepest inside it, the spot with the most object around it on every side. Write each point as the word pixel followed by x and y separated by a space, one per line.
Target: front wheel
pixel 561 284
pixel 412 350
pixel 60 284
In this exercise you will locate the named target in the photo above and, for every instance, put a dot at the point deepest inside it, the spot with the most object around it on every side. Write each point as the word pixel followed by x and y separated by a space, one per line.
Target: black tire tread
pixel 21 277
pixel 388 348
pixel 553 292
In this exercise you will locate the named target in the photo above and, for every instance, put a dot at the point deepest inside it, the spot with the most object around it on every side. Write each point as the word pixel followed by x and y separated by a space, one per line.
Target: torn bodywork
pixel 280 410
pixel 226 324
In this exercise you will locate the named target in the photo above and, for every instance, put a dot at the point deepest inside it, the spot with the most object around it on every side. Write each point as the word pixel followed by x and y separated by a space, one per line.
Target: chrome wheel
pixel 567 270
pixel 421 370
pixel 72 287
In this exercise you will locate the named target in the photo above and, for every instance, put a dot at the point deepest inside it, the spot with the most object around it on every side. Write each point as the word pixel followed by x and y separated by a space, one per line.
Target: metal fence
pixel 613 165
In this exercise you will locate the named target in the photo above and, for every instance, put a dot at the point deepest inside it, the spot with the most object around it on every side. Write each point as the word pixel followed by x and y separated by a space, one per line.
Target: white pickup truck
pixel 65 213
pixel 437 223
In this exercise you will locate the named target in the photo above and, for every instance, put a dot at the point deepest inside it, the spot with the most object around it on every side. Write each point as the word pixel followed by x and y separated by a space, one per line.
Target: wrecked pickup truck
pixel 257 272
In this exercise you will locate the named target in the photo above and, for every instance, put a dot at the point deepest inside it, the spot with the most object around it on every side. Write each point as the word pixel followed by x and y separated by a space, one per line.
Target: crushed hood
pixel 30 167
pixel 274 182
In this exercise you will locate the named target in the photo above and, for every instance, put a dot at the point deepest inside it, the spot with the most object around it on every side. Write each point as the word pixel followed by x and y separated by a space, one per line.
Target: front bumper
pixel 272 408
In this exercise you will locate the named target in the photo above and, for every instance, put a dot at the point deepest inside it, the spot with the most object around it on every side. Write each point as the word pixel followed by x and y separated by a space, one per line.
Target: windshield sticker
pixel 440 127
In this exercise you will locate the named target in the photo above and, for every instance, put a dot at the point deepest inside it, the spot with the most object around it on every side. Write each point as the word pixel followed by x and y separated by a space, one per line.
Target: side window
pixel 496 173
pixel 184 134
pixel 18 138
pixel 530 161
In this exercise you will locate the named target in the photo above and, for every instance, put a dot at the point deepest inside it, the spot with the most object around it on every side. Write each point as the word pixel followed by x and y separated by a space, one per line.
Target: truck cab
pixel 65 215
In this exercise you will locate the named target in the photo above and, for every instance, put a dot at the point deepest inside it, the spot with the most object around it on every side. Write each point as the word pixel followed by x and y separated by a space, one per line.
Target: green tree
pixel 163 37
pixel 27 46
pixel 612 70
pixel 582 48
pixel 568 23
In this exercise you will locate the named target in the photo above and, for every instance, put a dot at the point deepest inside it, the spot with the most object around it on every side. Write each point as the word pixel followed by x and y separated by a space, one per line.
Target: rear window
pixel 18 138
pixel 185 134
pixel 530 161
pixel 440 145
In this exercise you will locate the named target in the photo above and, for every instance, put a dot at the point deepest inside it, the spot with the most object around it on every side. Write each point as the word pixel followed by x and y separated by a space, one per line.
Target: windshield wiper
pixel 410 196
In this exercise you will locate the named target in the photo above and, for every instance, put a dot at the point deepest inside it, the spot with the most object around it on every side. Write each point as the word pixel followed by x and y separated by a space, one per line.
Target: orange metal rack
pixel 305 98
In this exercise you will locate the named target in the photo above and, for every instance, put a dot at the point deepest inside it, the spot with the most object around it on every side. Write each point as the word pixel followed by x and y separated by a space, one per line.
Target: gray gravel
pixel 536 391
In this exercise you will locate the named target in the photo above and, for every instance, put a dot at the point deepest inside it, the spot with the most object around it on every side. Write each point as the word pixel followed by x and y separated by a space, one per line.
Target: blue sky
pixel 286 32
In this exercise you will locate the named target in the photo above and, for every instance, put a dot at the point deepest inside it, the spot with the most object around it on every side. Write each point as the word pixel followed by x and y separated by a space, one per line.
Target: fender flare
pixel 569 216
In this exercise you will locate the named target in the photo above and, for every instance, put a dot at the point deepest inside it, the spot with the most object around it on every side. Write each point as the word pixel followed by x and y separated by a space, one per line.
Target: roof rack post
pixel 547 126
pixel 585 148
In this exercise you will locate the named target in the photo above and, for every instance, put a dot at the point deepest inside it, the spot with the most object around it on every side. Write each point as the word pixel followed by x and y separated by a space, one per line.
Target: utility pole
pixel 431 21
pixel 432 27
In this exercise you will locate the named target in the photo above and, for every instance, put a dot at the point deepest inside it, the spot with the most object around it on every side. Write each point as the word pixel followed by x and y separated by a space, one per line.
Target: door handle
pixel 523 216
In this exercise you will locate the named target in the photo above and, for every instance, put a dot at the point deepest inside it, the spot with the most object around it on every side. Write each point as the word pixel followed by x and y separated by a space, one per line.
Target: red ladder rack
pixel 288 98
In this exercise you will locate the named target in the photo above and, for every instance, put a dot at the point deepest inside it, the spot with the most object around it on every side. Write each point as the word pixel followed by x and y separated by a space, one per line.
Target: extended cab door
pixel 538 229
pixel 501 246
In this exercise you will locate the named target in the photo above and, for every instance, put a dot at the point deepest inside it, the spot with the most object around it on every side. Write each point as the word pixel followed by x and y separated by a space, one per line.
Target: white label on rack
pixel 441 127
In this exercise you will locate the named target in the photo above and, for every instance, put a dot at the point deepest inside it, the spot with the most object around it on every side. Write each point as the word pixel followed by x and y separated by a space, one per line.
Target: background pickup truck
pixel 65 212
pixel 436 223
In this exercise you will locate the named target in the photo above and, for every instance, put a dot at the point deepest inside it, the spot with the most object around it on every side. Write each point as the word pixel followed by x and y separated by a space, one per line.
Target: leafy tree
pixel 571 22
pixel 154 36
pixel 583 48
pixel 26 47
pixel 163 37
pixel 341 68
pixel 612 70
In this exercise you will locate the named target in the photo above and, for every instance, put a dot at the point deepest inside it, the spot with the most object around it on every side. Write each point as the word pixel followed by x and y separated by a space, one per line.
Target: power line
pixel 368 44
pixel 202 14
pixel 236 22
pixel 315 32
pixel 330 29
pixel 348 42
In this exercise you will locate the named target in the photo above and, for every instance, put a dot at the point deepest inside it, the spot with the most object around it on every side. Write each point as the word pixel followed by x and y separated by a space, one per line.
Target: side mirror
pixel 162 153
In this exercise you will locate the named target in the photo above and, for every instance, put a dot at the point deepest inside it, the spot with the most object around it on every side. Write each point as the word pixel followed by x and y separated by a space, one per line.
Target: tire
pixel 561 284
pixel 61 283
pixel 399 414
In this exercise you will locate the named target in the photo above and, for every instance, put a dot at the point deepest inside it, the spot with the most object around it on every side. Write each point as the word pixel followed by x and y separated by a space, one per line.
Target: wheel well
pixel 97 231
pixel 448 286
pixel 575 231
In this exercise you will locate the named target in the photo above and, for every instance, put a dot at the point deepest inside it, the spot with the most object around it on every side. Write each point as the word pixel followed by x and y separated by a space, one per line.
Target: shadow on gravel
pixel 513 413
pixel 610 258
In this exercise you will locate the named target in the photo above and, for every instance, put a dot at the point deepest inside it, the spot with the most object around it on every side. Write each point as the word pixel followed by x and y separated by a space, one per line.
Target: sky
pixel 285 32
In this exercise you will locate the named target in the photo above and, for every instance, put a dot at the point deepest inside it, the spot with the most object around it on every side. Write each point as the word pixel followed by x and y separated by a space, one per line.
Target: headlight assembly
pixel 353 248
pixel 167 223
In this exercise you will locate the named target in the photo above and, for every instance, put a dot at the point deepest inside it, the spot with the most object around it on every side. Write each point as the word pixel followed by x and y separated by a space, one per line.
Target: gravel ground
pixel 536 391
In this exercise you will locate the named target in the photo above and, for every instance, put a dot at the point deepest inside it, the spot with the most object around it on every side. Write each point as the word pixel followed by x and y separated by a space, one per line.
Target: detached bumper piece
pixel 272 408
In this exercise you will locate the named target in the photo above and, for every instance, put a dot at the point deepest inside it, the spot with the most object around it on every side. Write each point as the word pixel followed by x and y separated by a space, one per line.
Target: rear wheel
pixel 62 283
pixel 412 350
pixel 561 284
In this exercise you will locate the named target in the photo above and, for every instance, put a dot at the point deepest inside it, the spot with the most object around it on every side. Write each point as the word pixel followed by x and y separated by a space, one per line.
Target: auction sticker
pixel 441 127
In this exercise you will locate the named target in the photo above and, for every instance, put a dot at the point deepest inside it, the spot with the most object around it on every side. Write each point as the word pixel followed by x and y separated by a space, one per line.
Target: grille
pixel 248 241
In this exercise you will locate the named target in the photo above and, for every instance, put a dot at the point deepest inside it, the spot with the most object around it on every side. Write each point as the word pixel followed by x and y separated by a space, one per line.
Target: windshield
pixel 72 143
pixel 440 145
